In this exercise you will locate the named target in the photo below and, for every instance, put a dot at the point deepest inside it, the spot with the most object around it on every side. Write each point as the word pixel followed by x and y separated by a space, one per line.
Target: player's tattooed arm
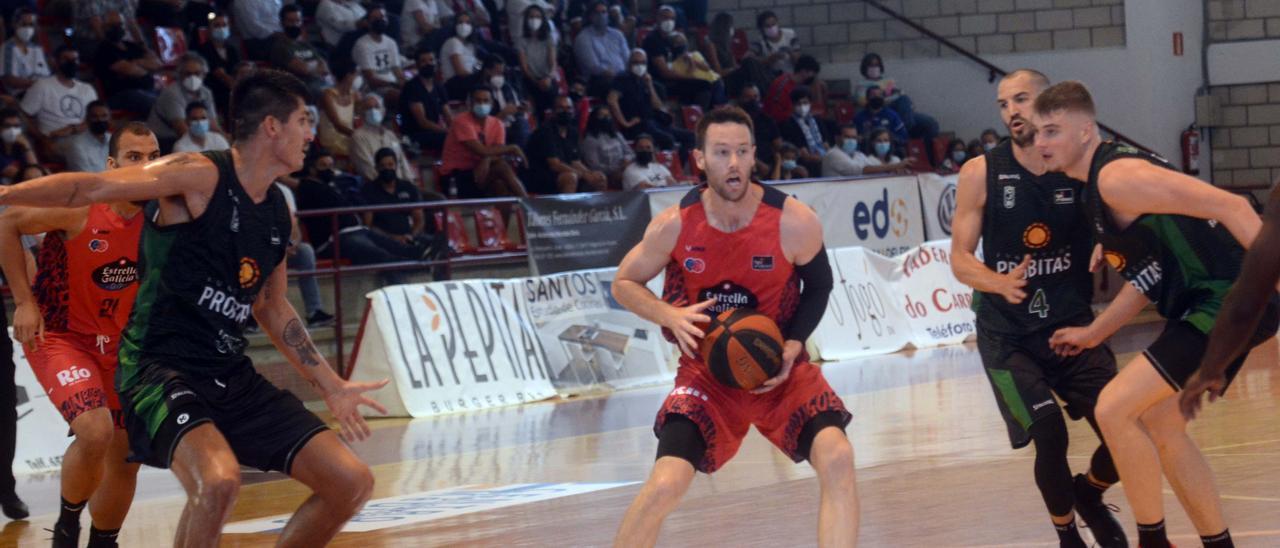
pixel 296 337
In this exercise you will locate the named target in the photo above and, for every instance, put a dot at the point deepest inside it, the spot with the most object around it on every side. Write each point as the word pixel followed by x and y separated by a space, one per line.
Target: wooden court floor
pixel 934 469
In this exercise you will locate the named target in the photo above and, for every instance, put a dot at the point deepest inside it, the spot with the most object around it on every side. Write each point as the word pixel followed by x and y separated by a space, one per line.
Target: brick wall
pixel 1246 147
pixel 1234 20
pixel 843 30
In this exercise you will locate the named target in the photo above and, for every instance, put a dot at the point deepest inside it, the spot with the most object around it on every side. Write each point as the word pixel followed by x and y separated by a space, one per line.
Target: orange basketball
pixel 743 348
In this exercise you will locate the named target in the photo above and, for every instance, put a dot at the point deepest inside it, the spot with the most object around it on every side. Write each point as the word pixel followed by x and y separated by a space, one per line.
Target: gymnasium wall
pixel 1245 73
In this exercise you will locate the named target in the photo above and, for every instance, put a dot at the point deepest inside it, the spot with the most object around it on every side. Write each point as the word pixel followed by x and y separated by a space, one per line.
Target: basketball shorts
pixel 724 414
pixel 1177 352
pixel 264 425
pixel 1025 374
pixel 78 372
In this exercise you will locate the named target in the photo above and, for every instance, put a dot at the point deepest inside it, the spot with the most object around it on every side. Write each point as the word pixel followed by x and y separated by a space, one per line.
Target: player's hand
pixel 28 324
pixel 345 401
pixel 1189 401
pixel 790 351
pixel 681 321
pixel 1070 341
pixel 1013 281
pixel 1095 261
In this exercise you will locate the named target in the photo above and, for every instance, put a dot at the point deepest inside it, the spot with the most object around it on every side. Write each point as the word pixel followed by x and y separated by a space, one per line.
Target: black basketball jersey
pixel 1183 264
pixel 200 279
pixel 1026 214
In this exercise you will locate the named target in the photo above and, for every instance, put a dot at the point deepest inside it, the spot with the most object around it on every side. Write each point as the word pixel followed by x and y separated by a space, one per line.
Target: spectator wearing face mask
pixel 421 22
pixel 637 107
pixel 200 136
pixel 778 103
pixel 58 103
pixel 877 115
pixel 373 135
pixel 336 18
pixel 555 159
pixel 767 135
pixel 338 109
pixel 956 157
pixel 291 52
pixel 788 164
pixel 989 139
pixel 89 18
pixel 16 148
pixel 777 47
pixel 168 118
pixel 424 116
pixel 477 161
pixel 459 58
pixel 378 56
pixel 88 150
pixel 880 150
pixel 126 69
pixel 845 158
pixel 259 22
pixel 918 124
pixel 702 84
pixel 221 54
pixel 508 106
pixel 661 47
pixel 604 149
pixel 407 227
pixel 536 44
pixel 804 131
pixel 601 51
pixel 646 171
pixel 22 59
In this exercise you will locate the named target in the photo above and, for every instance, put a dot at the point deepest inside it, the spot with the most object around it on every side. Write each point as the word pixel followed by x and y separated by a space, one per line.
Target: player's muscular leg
pixel 110 503
pixel 661 493
pixel 1185 467
pixel 341 484
pixel 210 474
pixel 1135 389
pixel 832 458
pixel 82 465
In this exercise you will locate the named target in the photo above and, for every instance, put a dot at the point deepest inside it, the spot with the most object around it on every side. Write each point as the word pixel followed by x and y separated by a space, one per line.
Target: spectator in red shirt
pixel 476 156
pixel 777 102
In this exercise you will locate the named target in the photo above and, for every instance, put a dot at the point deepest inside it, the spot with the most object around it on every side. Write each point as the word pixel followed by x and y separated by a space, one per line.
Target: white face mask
pixel 192 83
pixel 534 24
pixel 667 26
pixel 357 83
pixel 873 73
pixel 639 70
pixel 25 33
pixel 373 116
pixel 772 32
pixel 498 81
pixel 463 30
pixel 802 110
pixel 10 134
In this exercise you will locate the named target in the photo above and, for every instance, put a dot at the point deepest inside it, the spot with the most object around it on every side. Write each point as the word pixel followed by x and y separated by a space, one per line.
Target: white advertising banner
pixel 476 344
pixel 880 305
pixel 881 213
pixel 939 195
pixel 42 434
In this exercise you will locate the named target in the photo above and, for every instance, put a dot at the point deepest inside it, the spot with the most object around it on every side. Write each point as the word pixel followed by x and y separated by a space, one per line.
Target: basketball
pixel 743 348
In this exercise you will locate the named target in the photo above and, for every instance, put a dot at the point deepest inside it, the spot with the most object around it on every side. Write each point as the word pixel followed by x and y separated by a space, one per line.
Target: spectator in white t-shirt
pixel 338 17
pixel 646 172
pixel 421 19
pixel 778 48
pixel 378 56
pixel 22 59
pixel 88 150
pixel 845 159
pixel 458 59
pixel 58 102
pixel 199 136
pixel 168 118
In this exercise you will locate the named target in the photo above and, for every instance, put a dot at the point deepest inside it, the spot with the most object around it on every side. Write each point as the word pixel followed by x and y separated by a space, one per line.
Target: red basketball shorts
pixel 78 372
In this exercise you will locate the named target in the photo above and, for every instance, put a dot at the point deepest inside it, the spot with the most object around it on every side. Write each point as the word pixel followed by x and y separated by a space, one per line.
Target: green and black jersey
pixel 1183 264
pixel 1026 214
pixel 200 279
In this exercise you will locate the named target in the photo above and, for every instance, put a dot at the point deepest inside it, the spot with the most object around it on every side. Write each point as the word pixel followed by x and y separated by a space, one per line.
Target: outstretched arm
pixel 1241 311
pixel 172 175
pixel 280 321
pixel 1134 187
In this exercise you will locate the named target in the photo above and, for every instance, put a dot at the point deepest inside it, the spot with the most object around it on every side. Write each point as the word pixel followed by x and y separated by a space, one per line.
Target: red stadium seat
pixel 583 109
pixel 459 243
pixel 739 45
pixel 845 111
pixel 691 114
pixel 171 45
pixel 915 149
pixel 491 230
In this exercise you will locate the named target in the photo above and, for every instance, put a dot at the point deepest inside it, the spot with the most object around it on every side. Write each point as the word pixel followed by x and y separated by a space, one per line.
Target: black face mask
pixel 644 157
pixel 679 50
pixel 293 32
pixel 427 71
pixel 115 34
pixel 325 175
pixel 379 26
pixel 69 69
pixel 99 127
pixel 386 175
pixel 876 103
pixel 564 118
pixel 751 107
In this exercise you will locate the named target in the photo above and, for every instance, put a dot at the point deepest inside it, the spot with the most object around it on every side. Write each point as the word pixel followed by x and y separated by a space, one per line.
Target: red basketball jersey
pixel 87 284
pixel 740 269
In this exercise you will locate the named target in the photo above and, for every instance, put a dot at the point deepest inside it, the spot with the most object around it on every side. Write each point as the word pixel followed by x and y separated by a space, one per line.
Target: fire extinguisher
pixel 1191 150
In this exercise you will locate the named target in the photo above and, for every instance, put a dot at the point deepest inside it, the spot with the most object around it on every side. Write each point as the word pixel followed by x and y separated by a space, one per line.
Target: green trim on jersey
pixel 154 256
pixel 1012 399
pixel 1194 272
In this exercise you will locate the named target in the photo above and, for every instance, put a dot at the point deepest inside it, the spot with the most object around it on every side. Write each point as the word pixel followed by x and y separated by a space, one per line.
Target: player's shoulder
pixel 799 218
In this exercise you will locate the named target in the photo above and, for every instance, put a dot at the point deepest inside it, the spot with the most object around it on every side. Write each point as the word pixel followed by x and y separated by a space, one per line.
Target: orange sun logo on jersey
pixel 1036 236
pixel 249 272
pixel 1114 259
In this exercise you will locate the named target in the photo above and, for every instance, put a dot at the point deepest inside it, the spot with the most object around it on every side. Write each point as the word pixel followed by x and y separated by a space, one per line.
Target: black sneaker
pixel 320 319
pixel 13 507
pixel 1098 516
pixel 65 536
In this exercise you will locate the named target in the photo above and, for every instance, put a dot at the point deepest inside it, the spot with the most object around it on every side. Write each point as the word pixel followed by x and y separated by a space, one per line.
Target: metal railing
pixel 993 70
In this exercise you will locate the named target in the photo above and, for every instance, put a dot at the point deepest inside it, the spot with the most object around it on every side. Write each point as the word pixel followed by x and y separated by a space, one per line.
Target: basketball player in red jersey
pixel 735 243
pixel 70 327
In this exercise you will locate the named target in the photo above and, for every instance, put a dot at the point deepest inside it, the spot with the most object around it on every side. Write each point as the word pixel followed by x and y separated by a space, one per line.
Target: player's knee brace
pixel 1053 475
pixel 804 443
pixel 681 438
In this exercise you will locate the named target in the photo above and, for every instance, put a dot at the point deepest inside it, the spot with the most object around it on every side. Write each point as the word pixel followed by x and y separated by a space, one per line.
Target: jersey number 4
pixel 1039 304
